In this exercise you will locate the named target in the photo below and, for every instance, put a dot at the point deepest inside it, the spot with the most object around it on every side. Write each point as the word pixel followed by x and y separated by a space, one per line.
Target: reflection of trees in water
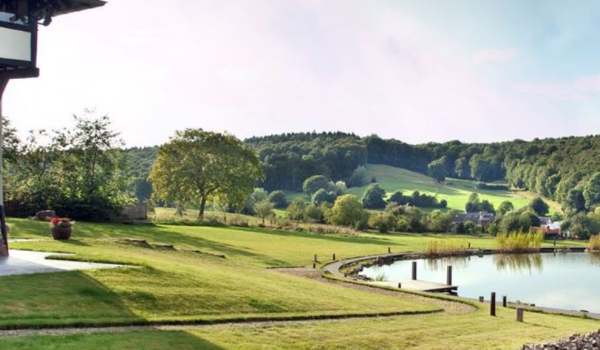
pixel 595 258
pixel 519 262
pixel 440 264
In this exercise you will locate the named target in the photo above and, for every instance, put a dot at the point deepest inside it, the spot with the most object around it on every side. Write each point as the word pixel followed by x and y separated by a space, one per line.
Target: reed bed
pixel 437 248
pixel 595 243
pixel 519 242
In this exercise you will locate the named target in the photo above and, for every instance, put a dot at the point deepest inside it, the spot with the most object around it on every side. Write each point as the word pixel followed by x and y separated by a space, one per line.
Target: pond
pixel 568 281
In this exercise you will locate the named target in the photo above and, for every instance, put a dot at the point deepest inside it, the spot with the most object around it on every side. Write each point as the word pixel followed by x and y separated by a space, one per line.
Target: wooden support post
pixel 315 259
pixel 333 256
pixel 389 250
pixel 504 301
pixel 493 304
pixel 469 245
pixel 449 275
pixel 314 265
pixel 520 313
pixel 4 233
pixel 414 271
pixel 399 285
pixel 481 299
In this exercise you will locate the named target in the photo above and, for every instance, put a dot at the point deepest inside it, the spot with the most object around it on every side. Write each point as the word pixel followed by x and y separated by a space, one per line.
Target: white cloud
pixel 581 89
pixel 496 55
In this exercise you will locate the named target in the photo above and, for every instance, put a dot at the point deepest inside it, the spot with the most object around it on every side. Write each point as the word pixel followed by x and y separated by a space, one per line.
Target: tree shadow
pixel 60 299
pixel 150 339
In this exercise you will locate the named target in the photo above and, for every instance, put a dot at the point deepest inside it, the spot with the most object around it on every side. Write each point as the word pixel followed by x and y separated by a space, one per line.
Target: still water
pixel 564 280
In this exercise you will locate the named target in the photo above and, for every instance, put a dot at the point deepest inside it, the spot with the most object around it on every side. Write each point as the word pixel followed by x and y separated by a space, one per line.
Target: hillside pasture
pixel 455 191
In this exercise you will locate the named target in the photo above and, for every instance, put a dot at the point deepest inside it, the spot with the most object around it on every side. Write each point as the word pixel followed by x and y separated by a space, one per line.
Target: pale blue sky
pixel 418 71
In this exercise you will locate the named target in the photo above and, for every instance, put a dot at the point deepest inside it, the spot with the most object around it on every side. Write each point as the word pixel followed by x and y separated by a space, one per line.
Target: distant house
pixel 480 218
pixel 545 221
pixel 551 229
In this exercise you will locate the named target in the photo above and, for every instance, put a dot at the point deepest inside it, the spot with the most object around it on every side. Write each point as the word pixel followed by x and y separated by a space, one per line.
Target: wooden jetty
pixel 419 286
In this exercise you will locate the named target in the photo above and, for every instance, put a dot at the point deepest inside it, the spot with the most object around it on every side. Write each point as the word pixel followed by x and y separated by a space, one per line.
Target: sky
pixel 412 70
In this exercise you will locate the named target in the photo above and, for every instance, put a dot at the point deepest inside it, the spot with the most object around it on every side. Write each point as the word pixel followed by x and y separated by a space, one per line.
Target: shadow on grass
pixel 58 300
pixel 151 233
pixel 147 340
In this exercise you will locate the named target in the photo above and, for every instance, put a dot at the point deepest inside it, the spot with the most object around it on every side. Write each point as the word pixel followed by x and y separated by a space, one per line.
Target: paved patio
pixel 23 262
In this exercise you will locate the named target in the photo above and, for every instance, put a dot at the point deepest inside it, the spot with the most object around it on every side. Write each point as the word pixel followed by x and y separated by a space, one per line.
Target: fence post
pixel 493 304
pixel 449 275
pixel 333 256
pixel 504 302
pixel 520 313
pixel 414 271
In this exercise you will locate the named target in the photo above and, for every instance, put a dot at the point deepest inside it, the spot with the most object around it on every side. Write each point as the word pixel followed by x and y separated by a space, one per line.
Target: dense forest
pixel 562 169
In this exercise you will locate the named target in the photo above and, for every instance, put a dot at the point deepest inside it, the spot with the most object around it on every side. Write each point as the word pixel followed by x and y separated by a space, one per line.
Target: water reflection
pixel 519 262
pixel 441 263
pixel 595 258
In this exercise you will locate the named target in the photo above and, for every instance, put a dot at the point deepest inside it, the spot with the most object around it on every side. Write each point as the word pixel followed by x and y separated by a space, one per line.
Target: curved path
pixel 334 267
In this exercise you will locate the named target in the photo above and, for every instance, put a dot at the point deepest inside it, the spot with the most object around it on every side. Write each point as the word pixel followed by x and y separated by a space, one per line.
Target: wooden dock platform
pixel 419 286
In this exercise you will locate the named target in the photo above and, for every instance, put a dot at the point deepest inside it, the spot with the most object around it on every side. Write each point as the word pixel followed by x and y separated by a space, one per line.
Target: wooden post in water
pixel 520 313
pixel 493 304
pixel 414 270
pixel 504 301
pixel 449 275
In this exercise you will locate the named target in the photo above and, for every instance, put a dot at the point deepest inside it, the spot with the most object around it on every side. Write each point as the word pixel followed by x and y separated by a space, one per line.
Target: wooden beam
pixel 4 243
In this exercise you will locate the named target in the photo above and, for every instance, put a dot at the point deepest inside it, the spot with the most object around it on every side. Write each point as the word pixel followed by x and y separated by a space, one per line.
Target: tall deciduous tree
pixel 591 192
pixel 348 211
pixel 374 197
pixel 539 206
pixel 437 170
pixel 315 183
pixel 196 165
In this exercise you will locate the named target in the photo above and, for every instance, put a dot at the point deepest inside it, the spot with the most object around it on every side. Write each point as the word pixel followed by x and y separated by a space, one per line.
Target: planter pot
pixel 61 232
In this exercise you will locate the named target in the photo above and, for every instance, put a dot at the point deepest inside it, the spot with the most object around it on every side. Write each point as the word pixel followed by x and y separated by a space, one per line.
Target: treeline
pixel 289 159
pixel 77 171
pixel 561 169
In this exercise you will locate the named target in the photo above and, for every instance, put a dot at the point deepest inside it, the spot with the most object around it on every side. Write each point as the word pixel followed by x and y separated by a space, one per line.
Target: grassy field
pixel 393 179
pixel 168 285
pixel 418 332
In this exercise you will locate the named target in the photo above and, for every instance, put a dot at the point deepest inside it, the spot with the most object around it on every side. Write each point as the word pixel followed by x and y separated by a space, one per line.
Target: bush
pixel 491 187
pixel 373 198
pixel 348 211
pixel 315 183
pixel 278 199
pixel 295 211
pixel 382 222
pixel 322 196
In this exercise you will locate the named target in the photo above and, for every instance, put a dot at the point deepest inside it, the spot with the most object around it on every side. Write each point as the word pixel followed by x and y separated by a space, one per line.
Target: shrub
pixel 278 199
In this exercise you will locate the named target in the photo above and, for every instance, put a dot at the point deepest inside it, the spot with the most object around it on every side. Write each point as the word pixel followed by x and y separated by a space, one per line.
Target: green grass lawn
pixel 176 286
pixel 392 179
pixel 438 332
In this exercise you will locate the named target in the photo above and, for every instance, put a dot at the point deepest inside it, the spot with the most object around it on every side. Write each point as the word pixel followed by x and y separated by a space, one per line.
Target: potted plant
pixel 61 228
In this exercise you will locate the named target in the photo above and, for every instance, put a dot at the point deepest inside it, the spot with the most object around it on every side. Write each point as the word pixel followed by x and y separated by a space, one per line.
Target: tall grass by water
pixel 436 248
pixel 519 242
pixel 595 243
